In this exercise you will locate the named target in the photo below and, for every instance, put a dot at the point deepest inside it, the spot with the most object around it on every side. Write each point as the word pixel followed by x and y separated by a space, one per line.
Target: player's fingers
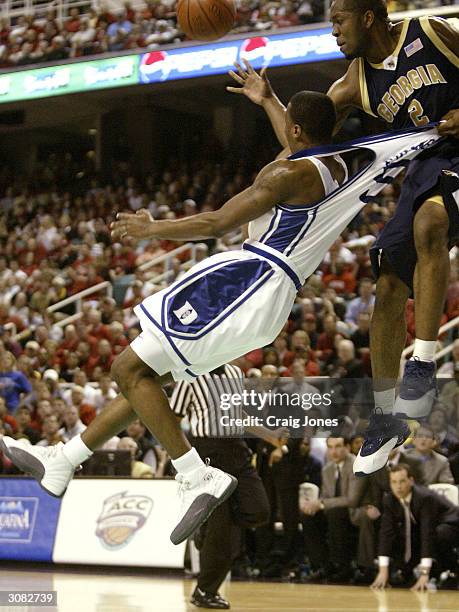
pixel 123 216
pixel 236 77
pixel 263 73
pixel 248 66
pixel 235 89
pixel 446 128
pixel 241 70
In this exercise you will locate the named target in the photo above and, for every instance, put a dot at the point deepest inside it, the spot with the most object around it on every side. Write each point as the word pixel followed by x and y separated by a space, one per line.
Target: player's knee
pixel 431 226
pixel 123 371
pixel 117 370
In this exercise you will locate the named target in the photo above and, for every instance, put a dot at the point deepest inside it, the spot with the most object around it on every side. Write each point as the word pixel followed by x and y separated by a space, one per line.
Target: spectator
pixel 328 533
pixel 146 448
pixel 50 432
pixel 445 435
pixel 14 385
pixel 362 304
pixel 24 425
pixel 72 424
pixel 138 469
pixel 435 466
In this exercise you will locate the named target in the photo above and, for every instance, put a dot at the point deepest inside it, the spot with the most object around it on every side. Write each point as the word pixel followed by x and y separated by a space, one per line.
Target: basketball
pixel 206 19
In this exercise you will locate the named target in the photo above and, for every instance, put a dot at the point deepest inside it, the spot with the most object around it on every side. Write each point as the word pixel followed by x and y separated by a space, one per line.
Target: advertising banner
pixel 119 522
pixel 28 520
pixel 218 58
pixel 69 78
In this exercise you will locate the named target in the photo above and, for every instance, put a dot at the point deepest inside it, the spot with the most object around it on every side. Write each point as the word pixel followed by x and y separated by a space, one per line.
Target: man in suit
pixel 367 516
pixel 417 525
pixel 328 533
pixel 435 466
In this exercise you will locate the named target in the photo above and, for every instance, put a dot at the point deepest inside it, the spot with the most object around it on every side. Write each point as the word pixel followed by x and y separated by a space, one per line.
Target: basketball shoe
pixel 200 492
pixel 385 432
pixel 418 390
pixel 47 464
pixel 202 599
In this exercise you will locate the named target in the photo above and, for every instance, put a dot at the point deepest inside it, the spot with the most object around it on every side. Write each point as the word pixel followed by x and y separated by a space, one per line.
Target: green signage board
pixel 69 78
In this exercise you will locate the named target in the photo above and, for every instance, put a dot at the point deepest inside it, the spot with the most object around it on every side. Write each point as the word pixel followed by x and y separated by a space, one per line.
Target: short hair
pixel 425 428
pixel 378 7
pixel 346 440
pixel 402 466
pixel 315 113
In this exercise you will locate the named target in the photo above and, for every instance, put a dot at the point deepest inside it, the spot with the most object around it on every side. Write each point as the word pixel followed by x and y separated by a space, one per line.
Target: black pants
pixel 329 539
pixel 247 507
pixel 445 542
pixel 282 490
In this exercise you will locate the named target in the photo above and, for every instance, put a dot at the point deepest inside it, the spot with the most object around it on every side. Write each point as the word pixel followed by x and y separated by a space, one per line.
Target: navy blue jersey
pixel 417 84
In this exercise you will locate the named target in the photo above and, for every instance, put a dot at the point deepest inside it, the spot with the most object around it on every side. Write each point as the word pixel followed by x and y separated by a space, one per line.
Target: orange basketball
pixel 206 19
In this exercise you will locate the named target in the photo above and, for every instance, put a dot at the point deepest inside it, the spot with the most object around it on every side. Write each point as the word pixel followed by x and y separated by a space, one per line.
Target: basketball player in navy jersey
pixel 407 75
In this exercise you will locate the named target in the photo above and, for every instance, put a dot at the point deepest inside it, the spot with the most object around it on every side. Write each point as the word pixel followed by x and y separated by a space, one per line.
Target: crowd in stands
pixel 40 38
pixel 54 374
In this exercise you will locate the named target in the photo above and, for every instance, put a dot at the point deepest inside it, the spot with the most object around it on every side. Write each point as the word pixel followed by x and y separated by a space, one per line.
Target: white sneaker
pixel 47 464
pixel 200 492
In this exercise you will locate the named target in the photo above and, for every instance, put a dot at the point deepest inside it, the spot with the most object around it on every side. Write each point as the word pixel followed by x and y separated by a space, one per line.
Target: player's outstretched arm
pixel 345 93
pixel 258 89
pixel 274 184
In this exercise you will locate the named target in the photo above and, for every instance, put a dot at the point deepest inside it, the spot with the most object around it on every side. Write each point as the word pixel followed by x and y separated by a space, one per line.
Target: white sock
pixel 76 451
pixel 385 400
pixel 188 462
pixel 424 349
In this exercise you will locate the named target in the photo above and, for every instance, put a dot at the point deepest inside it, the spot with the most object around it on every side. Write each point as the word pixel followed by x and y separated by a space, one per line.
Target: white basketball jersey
pixel 299 235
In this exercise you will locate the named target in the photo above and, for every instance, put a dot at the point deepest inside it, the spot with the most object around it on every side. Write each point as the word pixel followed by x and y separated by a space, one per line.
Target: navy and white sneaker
pixel 418 390
pixel 385 432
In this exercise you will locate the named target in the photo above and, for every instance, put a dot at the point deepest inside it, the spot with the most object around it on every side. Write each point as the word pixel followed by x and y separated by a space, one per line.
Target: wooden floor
pixel 95 591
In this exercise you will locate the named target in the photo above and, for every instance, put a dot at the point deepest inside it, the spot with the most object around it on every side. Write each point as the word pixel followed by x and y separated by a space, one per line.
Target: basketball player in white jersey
pixel 224 306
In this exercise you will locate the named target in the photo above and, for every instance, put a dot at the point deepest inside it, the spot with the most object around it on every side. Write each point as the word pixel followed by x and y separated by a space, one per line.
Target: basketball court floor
pixel 93 590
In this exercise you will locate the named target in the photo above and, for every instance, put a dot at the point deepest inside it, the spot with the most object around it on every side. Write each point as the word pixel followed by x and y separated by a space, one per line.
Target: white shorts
pixel 224 307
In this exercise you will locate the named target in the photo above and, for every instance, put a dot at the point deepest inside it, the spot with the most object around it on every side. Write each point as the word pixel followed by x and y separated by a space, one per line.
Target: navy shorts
pixel 436 172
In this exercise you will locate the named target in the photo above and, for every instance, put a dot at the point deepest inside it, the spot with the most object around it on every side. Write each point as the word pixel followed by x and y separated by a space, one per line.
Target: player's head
pixel 353 22
pixel 310 120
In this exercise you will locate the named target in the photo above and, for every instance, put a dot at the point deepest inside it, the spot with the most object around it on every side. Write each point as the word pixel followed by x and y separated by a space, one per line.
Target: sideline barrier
pixel 114 521
pixel 28 520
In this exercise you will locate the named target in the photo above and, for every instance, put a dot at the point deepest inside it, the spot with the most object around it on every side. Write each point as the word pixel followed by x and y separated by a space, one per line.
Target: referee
pixel 224 446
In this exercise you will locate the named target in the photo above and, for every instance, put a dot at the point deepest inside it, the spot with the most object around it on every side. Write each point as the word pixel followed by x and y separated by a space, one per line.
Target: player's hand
pixel 381 580
pixel 253 85
pixel 139 225
pixel 449 125
pixel 421 584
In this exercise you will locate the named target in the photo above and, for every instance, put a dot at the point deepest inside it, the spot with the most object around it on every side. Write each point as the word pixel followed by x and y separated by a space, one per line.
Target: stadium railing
pixel 444 351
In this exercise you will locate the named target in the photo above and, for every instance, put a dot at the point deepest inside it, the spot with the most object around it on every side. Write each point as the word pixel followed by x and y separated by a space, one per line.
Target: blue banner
pixel 218 58
pixel 28 520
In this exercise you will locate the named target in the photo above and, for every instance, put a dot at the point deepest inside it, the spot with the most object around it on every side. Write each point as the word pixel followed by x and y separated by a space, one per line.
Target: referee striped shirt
pixel 200 401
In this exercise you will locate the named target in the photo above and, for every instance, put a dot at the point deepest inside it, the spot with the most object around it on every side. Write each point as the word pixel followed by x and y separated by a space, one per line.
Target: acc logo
pixel 121 517
pixel 256 49
pixel 154 66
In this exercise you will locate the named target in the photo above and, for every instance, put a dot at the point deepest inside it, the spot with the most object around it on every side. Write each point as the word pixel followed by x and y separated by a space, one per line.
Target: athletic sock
pixel 385 400
pixel 76 451
pixel 424 349
pixel 188 462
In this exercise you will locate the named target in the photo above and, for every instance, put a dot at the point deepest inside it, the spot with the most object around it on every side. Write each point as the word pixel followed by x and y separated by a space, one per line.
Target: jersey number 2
pixel 417 113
